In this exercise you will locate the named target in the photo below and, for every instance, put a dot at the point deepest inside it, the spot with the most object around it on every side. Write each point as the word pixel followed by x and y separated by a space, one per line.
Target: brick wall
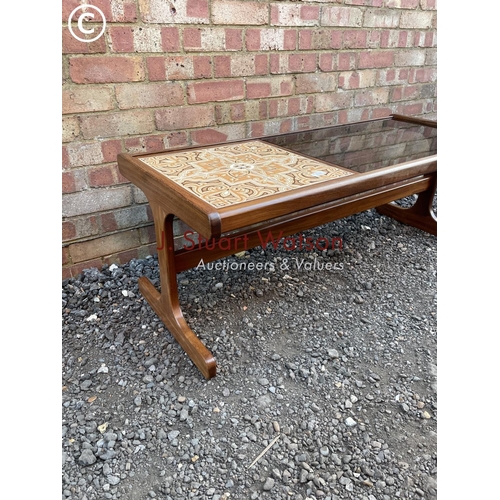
pixel 171 73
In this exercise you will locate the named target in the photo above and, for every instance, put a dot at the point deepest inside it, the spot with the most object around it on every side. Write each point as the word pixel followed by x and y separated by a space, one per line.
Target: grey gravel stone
pixel 268 484
pixel 87 457
pixel 299 367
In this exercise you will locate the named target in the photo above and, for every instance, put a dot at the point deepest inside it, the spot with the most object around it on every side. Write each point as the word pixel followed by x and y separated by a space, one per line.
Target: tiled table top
pixel 235 173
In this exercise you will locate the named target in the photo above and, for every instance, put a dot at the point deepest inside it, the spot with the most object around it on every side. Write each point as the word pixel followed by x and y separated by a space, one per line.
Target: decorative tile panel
pixel 235 173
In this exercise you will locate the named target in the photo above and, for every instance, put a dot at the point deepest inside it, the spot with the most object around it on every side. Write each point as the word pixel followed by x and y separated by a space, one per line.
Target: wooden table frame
pixel 290 212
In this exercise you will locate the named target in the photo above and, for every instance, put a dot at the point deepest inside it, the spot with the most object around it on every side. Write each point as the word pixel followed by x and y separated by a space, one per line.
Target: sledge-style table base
pixel 284 184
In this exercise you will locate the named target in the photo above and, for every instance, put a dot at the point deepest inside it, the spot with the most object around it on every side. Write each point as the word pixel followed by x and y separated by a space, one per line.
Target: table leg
pixel 420 215
pixel 166 303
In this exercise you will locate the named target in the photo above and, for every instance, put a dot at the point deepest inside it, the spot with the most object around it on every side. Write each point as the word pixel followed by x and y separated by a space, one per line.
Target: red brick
pixel 70 45
pixel 428 4
pixel 309 12
pixel 253 39
pixel 106 69
pixel 149 95
pixel 68 182
pixel 108 222
pixel 104 6
pixel 376 59
pixel 128 14
pixel 326 62
pixel 66 273
pixel 290 39
pixel 258 90
pixel 234 39
pixel 202 67
pixel 156 68
pixel 102 176
pixel 238 12
pixel 410 109
pixel 110 150
pixel 129 122
pixel 222 66
pixel 430 39
pixel 192 38
pixel 65 157
pixel 67 8
pixel 122 38
pixel 184 118
pixel 208 136
pixel 86 99
pixel 381 112
pixel 170 39
pixel 197 8
pixel 286 126
pixel 257 129
pixel 226 90
pixel 176 139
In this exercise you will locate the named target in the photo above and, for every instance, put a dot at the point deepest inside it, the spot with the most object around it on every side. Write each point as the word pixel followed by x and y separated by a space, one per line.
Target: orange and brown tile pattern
pixel 234 173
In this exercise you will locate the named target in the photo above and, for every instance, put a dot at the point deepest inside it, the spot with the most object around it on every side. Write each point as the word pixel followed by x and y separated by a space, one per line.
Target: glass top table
pixel 285 183
pixel 365 146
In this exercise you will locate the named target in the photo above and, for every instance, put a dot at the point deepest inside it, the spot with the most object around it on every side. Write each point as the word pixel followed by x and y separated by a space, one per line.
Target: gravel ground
pixel 330 373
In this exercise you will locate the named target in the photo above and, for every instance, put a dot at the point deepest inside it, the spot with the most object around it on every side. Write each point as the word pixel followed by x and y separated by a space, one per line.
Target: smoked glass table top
pixel 364 146
pixel 224 175
pixel 229 174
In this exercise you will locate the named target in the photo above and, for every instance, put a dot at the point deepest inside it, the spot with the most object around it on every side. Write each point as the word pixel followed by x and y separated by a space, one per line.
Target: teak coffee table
pixel 285 183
